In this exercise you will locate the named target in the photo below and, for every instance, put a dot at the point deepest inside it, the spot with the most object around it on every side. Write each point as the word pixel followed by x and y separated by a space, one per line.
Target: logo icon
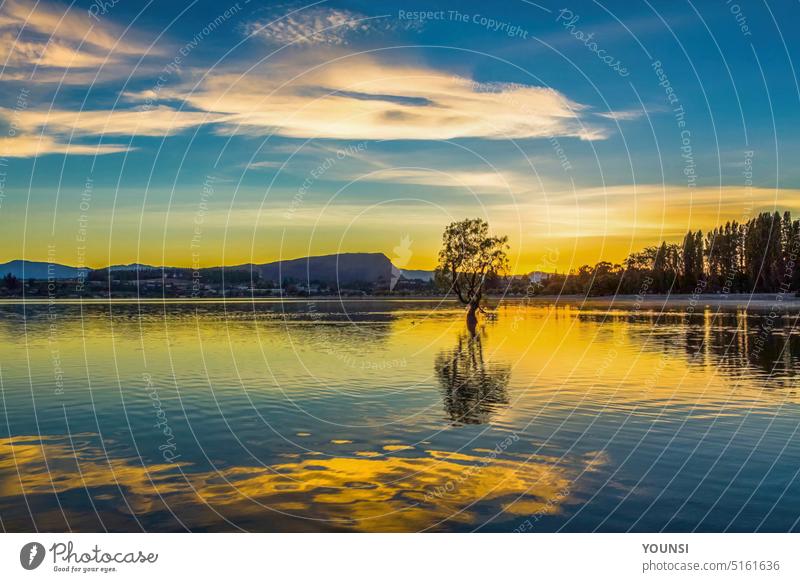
pixel 31 555
pixel 401 258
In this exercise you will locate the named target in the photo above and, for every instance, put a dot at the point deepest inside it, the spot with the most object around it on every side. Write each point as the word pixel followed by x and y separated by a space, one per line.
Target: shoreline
pixel 752 301
pixel 739 301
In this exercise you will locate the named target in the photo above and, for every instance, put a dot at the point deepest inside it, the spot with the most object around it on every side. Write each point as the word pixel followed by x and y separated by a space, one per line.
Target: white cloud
pixel 264 165
pixel 629 115
pixel 479 181
pixel 363 98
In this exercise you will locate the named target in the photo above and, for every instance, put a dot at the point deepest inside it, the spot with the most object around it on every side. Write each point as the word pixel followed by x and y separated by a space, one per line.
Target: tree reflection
pixel 472 389
pixel 737 343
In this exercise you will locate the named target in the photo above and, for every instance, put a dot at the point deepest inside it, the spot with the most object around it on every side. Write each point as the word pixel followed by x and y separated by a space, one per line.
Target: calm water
pixel 384 416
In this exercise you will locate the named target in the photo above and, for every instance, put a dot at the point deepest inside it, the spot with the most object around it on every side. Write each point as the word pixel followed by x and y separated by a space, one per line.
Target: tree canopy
pixel 469 258
pixel 759 255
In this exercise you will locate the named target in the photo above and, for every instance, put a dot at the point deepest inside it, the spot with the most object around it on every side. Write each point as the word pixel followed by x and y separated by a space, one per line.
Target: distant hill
pixel 344 269
pixel 335 270
pixel 39 270
pixel 417 274
pixel 133 267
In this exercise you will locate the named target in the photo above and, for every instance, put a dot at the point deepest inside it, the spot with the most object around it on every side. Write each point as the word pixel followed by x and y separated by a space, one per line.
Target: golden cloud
pixel 156 121
pixel 53 36
pixel 27 146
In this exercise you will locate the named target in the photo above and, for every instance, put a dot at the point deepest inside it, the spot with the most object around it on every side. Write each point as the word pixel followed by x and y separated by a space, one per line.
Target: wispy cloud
pixel 628 115
pixel 43 132
pixel 478 181
pixel 50 35
pixel 28 146
pixel 264 165
pixel 20 52
pixel 316 25
pixel 155 121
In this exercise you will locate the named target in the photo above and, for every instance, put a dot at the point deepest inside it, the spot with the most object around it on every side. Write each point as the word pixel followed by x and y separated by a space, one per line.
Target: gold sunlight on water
pixel 385 494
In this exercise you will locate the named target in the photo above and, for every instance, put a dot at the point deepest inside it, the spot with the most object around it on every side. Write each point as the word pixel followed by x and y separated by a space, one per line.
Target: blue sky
pixel 214 132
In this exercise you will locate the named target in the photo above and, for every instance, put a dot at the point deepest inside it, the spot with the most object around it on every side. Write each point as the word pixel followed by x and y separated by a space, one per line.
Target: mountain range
pixel 339 269
pixel 39 270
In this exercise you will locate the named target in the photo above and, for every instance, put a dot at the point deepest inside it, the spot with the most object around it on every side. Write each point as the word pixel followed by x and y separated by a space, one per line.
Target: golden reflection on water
pixel 538 345
pixel 391 493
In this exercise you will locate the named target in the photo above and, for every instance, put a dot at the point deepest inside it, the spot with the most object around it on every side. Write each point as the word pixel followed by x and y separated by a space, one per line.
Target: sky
pixel 214 133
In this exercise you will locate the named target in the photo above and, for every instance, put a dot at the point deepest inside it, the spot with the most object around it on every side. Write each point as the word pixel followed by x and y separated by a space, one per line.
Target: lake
pixel 390 416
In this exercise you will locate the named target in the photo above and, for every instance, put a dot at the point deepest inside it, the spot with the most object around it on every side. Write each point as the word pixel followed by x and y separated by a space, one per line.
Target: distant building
pixel 539 277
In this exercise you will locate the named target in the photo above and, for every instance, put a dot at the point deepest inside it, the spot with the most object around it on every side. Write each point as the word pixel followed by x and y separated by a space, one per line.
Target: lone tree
pixel 469 257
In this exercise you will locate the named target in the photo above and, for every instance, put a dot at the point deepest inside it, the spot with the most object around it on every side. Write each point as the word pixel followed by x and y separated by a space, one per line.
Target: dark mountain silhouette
pixel 417 274
pixel 340 270
pixel 134 267
pixel 39 270
pixel 335 270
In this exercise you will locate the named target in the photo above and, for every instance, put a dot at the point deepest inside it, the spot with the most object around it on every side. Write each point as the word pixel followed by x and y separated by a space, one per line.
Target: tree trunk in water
pixel 472 318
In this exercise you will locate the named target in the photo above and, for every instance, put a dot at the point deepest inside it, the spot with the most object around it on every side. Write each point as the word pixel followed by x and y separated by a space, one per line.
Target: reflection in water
pixel 734 341
pixel 418 490
pixel 472 389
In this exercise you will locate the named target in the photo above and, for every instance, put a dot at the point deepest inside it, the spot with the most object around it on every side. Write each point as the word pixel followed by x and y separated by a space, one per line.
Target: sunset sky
pixel 212 133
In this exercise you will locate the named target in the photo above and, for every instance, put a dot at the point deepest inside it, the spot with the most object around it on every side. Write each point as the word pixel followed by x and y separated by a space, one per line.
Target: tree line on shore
pixel 758 256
